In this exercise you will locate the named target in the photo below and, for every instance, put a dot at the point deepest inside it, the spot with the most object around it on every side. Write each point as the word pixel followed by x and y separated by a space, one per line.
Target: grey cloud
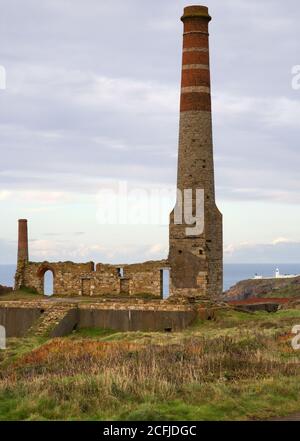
pixel 282 252
pixel 60 250
pixel 93 93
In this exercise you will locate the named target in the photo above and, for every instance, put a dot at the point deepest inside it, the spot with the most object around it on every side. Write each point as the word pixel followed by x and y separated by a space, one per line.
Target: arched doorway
pixel 46 275
pixel 48 283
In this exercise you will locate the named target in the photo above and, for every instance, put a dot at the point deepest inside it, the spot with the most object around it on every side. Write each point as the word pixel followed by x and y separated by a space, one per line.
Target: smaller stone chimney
pixel 22 253
pixel 23 241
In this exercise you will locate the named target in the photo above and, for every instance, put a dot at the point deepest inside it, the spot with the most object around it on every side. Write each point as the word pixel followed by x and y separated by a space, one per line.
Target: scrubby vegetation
pixel 241 366
pixel 24 294
pixel 32 294
pixel 5 290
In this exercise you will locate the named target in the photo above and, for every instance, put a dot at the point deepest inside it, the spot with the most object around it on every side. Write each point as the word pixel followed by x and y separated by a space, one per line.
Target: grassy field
pixel 29 294
pixel 238 367
pixel 21 295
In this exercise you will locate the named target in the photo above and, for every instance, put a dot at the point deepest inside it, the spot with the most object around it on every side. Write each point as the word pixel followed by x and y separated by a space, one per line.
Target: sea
pixel 233 272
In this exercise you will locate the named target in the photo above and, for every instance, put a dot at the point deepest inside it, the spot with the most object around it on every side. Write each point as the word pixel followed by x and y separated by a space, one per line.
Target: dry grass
pixel 192 361
pixel 191 375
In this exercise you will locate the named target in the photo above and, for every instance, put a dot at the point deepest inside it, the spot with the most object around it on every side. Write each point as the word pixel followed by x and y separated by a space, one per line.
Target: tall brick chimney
pixel 196 260
pixel 23 241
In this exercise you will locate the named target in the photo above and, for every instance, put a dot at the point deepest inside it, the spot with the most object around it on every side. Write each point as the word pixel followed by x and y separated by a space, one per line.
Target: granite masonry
pixel 86 279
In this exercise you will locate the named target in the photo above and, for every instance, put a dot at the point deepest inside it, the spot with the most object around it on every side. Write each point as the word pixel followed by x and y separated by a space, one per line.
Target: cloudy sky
pixel 91 104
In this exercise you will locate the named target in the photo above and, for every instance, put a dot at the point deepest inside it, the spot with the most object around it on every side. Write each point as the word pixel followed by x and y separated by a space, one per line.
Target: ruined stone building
pixel 195 259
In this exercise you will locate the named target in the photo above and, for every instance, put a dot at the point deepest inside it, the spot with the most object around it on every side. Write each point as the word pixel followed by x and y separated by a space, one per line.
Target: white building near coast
pixel 276 276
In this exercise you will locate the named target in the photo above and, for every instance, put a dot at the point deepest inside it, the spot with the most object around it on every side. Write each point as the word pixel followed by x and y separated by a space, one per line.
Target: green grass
pixel 223 402
pixel 238 367
pixel 94 333
pixel 17 347
pixel 22 294
pixel 292 291
pixel 30 294
pixel 208 402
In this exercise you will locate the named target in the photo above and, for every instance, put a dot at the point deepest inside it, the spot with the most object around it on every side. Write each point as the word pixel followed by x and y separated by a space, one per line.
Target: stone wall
pixel 67 276
pixel 146 278
pixel 83 279
pixel 18 317
pixel 17 320
pixel 133 318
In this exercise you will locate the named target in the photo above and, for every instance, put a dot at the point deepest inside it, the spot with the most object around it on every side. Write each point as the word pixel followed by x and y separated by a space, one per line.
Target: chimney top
pixel 196 12
pixel 22 220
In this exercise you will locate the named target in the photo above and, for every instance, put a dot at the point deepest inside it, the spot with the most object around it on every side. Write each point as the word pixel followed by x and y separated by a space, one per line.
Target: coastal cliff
pixel 247 289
